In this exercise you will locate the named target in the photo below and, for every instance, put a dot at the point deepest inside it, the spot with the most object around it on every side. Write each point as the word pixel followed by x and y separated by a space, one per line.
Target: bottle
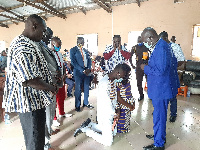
pixel 7 119
pixel 188 93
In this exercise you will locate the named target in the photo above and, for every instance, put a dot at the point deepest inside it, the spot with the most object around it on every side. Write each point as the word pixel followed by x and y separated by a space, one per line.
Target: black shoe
pixel 69 95
pixel 141 98
pixel 151 137
pixel 78 109
pixel 77 132
pixel 85 123
pixel 172 119
pixel 88 106
pixel 153 147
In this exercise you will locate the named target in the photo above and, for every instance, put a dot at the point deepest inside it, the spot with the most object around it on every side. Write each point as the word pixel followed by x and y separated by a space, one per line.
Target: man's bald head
pixel 34 19
pixel 34 28
pixel 150 36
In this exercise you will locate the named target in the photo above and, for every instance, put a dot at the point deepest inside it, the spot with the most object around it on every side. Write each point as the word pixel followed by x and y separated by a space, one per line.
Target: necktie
pixel 82 53
pixel 59 60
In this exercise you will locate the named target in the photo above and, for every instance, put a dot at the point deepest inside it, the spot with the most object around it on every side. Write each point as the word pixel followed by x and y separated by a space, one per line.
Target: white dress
pixel 105 113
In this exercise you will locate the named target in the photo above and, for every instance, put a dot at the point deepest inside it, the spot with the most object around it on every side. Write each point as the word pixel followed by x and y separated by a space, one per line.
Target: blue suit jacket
pixel 77 61
pixel 158 72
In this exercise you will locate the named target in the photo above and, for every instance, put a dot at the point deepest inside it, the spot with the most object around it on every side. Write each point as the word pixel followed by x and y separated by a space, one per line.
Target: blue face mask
pixel 140 44
pixel 147 45
pixel 57 48
pixel 118 80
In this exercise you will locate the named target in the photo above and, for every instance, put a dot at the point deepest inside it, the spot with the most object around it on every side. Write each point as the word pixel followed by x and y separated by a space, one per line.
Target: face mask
pixel 147 45
pixel 118 80
pixel 80 45
pixel 57 48
pixel 140 44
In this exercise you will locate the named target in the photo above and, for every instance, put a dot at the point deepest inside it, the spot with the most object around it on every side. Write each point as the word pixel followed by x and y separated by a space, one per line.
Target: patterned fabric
pixel 25 62
pixel 125 93
pixel 60 61
pixel 177 51
pixel 123 125
pixel 51 60
pixel 112 92
pixel 115 59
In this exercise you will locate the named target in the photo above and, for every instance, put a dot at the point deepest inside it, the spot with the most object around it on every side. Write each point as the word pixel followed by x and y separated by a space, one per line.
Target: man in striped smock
pixel 28 87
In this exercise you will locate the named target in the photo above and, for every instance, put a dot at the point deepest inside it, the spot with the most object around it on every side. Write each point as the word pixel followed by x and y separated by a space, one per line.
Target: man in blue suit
pixel 82 69
pixel 158 73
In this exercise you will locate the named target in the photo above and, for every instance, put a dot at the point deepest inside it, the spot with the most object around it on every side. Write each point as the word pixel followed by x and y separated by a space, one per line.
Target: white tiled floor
pixel 184 134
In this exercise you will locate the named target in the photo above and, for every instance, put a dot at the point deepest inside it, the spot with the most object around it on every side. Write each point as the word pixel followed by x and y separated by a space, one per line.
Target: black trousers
pixel 33 126
pixel 139 78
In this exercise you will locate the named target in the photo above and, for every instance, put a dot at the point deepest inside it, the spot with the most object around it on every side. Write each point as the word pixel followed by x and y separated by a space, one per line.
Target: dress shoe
pixel 69 95
pixel 172 119
pixel 77 132
pixel 85 123
pixel 141 98
pixel 153 147
pixel 88 106
pixel 151 137
pixel 78 109
pixel 65 115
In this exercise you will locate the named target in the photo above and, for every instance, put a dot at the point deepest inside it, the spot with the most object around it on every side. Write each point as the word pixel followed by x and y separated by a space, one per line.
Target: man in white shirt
pixel 106 105
pixel 177 51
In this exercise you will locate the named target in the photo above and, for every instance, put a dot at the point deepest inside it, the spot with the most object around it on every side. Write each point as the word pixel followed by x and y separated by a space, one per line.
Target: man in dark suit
pixel 158 73
pixel 69 80
pixel 139 51
pixel 82 70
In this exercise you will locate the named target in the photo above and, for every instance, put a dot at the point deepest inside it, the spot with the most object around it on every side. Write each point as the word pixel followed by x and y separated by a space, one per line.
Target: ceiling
pixel 15 11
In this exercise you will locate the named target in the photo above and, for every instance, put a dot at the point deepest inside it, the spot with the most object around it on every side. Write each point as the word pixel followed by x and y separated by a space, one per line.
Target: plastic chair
pixel 183 90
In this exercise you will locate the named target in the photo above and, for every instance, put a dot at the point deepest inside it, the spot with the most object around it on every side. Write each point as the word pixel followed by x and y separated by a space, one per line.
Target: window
pixel 91 42
pixel 132 38
pixel 2 46
pixel 196 41
pixel 132 41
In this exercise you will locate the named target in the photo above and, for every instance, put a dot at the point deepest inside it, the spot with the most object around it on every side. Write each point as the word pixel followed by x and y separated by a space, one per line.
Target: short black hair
pixel 117 36
pixel 49 31
pixel 35 18
pixel 55 38
pixel 80 38
pixel 163 34
pixel 124 67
